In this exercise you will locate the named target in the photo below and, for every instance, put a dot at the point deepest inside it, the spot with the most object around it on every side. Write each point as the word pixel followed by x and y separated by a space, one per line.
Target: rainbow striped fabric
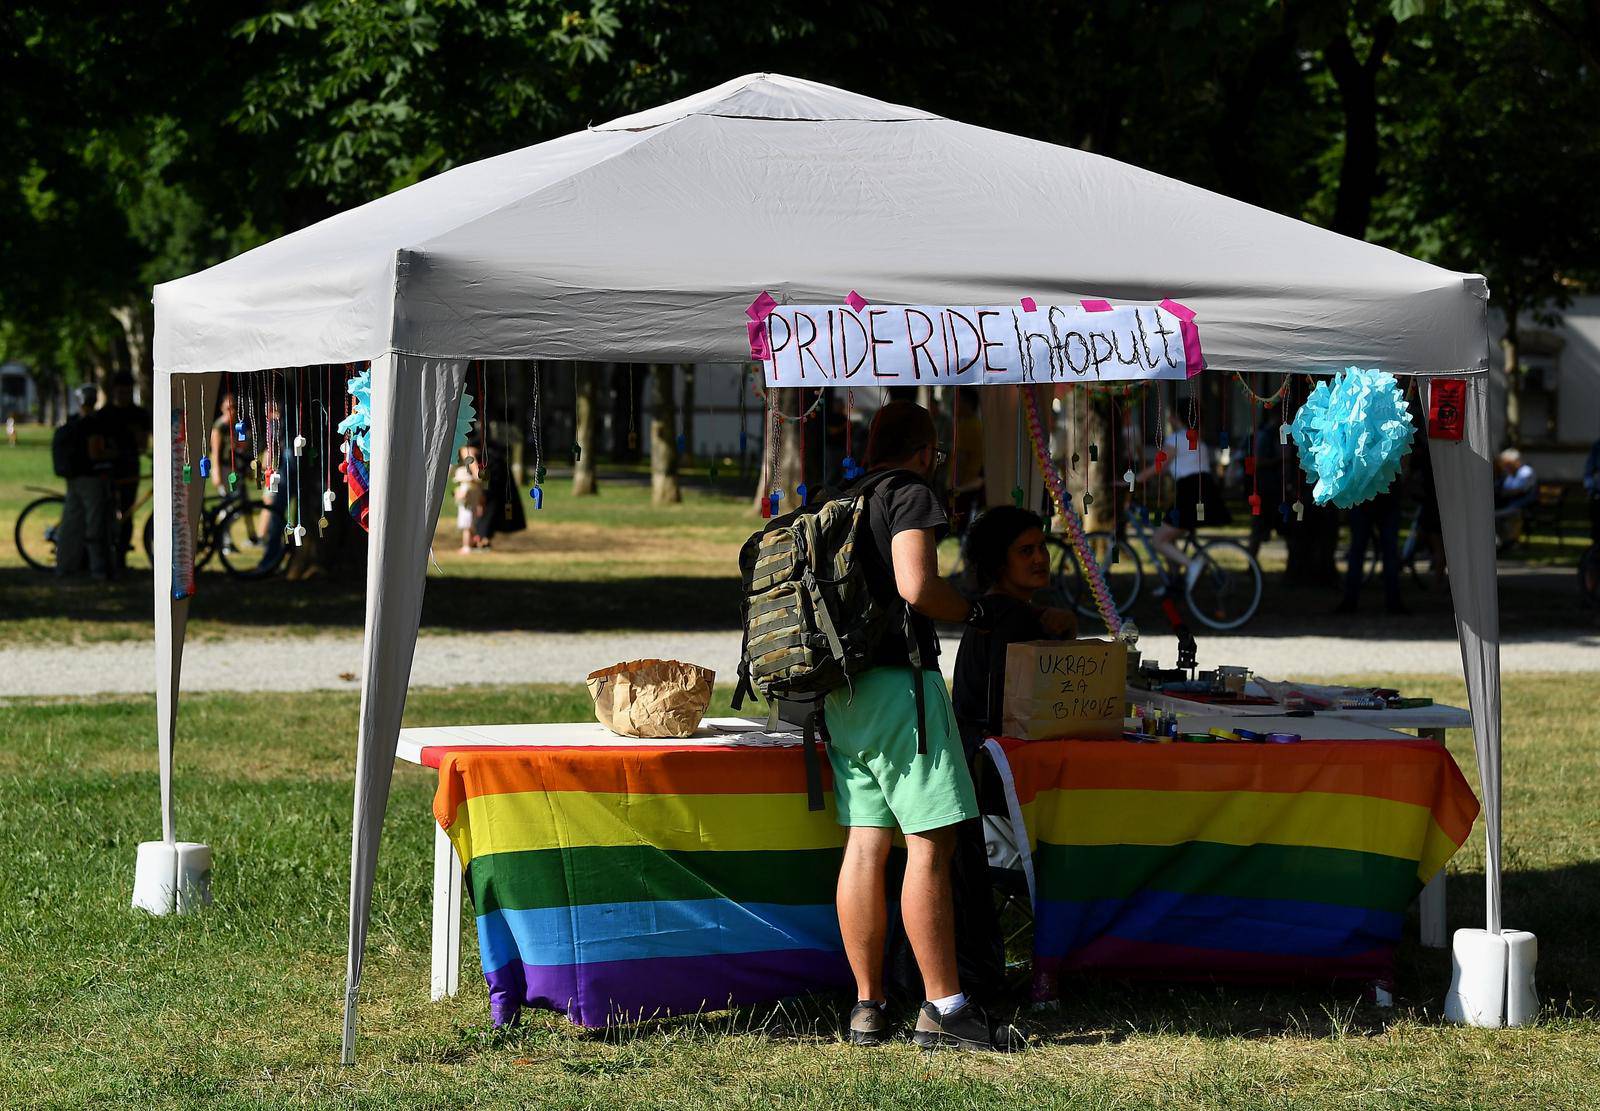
pixel 1253 863
pixel 619 883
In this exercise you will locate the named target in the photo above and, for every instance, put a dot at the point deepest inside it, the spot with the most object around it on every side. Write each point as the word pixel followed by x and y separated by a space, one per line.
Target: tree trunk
pixel 137 319
pixel 1510 344
pixel 687 456
pixel 1097 433
pixel 586 421
pixel 663 437
pixel 1358 96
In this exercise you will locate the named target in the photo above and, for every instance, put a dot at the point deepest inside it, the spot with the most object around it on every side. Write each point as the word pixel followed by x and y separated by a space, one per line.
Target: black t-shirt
pixel 132 426
pixel 978 690
pixel 901 502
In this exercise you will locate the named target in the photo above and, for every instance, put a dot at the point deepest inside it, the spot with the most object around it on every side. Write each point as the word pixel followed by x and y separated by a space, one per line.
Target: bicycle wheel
pixel 245 553
pixel 1123 577
pixel 35 533
pixel 1227 591
pixel 150 539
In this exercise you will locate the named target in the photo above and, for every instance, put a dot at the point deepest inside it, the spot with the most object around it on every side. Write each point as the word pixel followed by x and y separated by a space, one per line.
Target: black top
pixel 979 687
pixel 901 502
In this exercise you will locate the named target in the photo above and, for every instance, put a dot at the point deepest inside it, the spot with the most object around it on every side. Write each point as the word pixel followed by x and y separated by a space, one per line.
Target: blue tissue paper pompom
pixel 1352 434
pixel 358 425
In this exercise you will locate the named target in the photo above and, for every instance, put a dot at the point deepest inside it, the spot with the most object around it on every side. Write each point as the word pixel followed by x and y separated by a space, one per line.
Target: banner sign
pixel 910 345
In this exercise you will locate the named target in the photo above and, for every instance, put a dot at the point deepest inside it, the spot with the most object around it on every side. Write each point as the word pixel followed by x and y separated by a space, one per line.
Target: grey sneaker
pixel 869 1024
pixel 966 1027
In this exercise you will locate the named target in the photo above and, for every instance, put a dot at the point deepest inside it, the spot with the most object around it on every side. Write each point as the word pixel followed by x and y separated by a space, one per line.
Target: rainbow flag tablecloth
pixel 1242 862
pixel 618 883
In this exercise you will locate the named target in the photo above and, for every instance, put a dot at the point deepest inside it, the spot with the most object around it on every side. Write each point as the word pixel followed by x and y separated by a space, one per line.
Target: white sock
pixel 950 1003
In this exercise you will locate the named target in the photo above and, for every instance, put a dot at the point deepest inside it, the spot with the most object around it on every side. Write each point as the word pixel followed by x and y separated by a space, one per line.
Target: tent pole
pixel 413 415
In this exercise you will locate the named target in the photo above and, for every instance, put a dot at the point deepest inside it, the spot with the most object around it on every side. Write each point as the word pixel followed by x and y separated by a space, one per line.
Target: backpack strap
pixel 816 728
pixel 914 654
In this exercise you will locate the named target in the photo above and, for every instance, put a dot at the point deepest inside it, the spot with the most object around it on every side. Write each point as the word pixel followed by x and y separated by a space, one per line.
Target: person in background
pixel 1193 483
pixel 1591 487
pixel 1382 514
pixel 11 429
pixel 502 506
pixel 881 781
pixel 1515 490
pixel 131 429
pixel 228 452
pixel 84 449
pixel 469 496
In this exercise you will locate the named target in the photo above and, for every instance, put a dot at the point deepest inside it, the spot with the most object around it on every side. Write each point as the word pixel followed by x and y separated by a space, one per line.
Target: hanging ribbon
pixel 1080 544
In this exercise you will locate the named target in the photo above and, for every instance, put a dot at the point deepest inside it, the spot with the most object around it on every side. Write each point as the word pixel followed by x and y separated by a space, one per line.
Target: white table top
pixel 1437 716
pixel 1319 728
pixel 713 732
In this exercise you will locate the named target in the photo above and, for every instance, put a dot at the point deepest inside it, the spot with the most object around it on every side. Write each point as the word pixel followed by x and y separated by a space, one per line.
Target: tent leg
pixel 446 917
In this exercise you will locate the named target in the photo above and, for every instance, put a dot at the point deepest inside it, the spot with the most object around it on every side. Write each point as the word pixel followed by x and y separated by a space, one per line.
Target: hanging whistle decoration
pixel 1299 510
pixel 233 480
pixel 1161 460
pixel 800 492
pixel 1017 496
pixel 1227 450
pixel 849 468
pixel 273 482
pixel 1283 510
pixel 188 474
pixel 205 466
pixel 577 451
pixel 1094 453
pixel 536 496
pixel 1283 433
pixel 772 503
pixel 299 446
pixel 327 501
pixel 1194 438
pixel 1128 476
pixel 1088 499
pixel 238 430
pixel 1255 505
pixel 299 535
pixel 1199 511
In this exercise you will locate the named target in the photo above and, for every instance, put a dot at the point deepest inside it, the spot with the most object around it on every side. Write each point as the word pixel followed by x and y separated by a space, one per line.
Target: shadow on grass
pixel 1557 904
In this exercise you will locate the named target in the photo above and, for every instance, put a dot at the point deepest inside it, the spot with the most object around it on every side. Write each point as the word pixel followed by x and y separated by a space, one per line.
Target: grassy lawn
pixel 240 1006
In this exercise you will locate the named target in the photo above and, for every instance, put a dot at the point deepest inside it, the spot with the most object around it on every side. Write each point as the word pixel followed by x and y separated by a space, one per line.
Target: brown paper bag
pixel 1065 689
pixel 651 698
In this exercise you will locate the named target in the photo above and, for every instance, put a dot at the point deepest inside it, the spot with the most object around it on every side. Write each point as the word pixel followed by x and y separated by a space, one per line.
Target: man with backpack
pixel 892 770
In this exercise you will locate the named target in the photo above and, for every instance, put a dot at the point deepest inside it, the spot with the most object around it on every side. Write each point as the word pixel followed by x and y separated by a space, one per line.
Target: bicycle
pixel 1225 595
pixel 226 529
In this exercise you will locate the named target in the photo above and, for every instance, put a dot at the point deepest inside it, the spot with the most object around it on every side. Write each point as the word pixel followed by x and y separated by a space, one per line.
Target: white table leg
pixel 446 917
pixel 1430 904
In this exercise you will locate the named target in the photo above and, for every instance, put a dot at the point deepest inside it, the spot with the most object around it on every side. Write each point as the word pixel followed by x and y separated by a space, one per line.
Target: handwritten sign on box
pixel 1065 689
pixel 899 345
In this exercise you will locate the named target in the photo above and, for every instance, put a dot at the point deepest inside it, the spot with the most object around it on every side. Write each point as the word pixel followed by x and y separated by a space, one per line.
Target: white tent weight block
pixel 172 877
pixel 1492 978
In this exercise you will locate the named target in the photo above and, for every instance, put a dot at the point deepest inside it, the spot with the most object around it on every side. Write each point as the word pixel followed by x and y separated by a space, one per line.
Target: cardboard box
pixel 1071 689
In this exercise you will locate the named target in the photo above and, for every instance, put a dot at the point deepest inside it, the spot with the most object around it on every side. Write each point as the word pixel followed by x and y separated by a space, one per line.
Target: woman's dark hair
pixel 991 537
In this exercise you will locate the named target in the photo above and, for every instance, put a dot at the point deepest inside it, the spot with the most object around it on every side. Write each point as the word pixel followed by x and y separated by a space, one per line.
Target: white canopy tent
pixel 644 239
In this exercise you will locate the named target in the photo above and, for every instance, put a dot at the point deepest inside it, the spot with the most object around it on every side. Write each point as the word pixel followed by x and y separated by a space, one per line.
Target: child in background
pixel 469 496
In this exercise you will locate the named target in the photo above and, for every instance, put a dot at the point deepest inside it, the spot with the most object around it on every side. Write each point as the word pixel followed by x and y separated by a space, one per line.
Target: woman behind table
pixel 1006 549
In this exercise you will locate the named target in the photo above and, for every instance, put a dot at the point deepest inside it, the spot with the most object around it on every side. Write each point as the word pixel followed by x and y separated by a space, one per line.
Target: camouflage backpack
pixel 811 622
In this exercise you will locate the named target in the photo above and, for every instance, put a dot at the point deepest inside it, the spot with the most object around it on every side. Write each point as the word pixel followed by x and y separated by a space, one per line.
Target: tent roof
pixel 643 239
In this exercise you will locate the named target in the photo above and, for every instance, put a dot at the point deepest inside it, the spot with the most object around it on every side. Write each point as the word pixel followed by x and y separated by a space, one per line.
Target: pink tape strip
pixel 1029 305
pixel 759 348
pixel 761 307
pixel 1192 357
pixel 855 300
pixel 1182 312
pixel 1095 305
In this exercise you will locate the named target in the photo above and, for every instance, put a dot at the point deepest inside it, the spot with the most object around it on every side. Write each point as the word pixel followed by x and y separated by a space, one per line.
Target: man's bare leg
pixel 929 911
pixel 863 912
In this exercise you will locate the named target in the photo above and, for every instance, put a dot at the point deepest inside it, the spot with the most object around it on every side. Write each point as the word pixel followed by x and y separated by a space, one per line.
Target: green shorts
pixel 878 777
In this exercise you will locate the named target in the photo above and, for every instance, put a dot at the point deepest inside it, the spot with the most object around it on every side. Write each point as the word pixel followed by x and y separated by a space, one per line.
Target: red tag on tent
pixel 1447 407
